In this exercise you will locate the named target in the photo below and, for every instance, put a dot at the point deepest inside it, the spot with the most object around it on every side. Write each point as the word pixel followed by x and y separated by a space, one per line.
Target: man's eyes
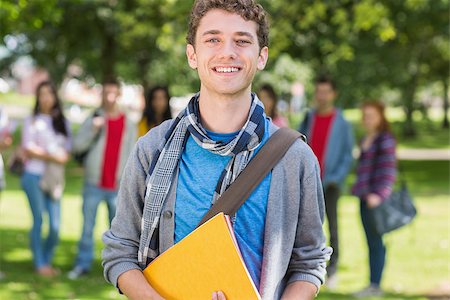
pixel 239 42
pixel 212 40
pixel 243 42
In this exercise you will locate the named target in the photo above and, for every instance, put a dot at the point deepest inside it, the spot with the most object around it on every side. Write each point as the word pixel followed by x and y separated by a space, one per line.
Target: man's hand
pixel 373 200
pixel 98 122
pixel 299 290
pixel 218 296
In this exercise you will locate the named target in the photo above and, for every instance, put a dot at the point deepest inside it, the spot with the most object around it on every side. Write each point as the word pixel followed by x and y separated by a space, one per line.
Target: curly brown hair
pixel 249 10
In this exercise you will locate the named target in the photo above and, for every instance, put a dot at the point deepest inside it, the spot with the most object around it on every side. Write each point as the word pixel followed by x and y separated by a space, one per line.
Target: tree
pixel 418 55
pixel 106 37
pixel 367 45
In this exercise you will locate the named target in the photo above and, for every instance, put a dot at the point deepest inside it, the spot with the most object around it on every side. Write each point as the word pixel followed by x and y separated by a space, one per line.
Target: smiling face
pixel 226 53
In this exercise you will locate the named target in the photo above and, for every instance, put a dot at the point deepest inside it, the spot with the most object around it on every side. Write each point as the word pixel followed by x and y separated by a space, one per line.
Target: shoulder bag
pixel 395 211
pixel 257 169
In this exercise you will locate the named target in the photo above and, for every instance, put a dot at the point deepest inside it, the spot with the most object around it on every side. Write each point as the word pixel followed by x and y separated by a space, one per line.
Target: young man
pixel 182 166
pixel 331 138
pixel 108 137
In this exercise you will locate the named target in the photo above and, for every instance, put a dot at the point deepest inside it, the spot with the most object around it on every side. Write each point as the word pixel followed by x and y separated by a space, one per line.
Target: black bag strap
pixel 257 169
pixel 81 155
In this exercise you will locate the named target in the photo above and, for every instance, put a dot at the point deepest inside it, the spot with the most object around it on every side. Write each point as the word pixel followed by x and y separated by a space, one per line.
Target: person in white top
pixel 46 141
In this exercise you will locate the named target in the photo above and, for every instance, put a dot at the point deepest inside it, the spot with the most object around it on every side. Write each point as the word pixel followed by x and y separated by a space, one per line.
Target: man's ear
pixel 262 59
pixel 191 56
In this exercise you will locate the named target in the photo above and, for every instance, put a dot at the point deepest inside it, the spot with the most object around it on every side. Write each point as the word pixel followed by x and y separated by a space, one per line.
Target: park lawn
pixel 417 263
pixel 26 101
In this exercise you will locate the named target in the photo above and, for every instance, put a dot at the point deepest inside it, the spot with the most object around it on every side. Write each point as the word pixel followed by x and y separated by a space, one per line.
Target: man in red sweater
pixel 331 139
pixel 107 138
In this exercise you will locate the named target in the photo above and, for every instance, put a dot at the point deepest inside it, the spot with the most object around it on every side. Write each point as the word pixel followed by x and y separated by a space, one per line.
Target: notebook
pixel 205 261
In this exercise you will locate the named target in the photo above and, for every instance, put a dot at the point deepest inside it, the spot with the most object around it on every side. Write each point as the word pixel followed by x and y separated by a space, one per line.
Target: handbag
pixel 256 170
pixel 52 181
pixel 395 212
pixel 16 162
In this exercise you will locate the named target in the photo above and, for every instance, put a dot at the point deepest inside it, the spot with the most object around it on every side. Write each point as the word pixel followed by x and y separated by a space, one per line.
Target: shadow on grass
pixel 21 282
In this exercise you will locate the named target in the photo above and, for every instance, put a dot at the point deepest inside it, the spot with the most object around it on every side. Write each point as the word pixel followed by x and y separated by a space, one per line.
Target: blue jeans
pixel 40 203
pixel 377 250
pixel 92 196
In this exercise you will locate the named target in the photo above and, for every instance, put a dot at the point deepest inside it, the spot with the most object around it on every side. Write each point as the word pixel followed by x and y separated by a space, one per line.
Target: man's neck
pixel 323 111
pixel 111 111
pixel 224 113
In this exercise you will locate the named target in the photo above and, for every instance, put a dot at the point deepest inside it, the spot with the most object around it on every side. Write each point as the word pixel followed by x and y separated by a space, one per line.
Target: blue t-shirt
pixel 198 176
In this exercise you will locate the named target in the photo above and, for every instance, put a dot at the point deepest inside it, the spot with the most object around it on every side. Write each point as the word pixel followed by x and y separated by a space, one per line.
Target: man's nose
pixel 228 50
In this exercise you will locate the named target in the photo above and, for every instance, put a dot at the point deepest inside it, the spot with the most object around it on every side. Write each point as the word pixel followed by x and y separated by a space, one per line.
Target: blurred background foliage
pixel 373 48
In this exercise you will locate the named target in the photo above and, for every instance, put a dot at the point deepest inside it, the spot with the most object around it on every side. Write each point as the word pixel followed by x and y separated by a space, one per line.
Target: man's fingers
pixel 218 296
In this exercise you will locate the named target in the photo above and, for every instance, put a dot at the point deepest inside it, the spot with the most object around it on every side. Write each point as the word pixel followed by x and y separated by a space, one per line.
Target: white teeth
pixel 227 70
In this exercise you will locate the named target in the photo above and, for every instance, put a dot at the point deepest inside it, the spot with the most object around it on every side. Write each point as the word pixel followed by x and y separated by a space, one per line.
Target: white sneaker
pixel 370 291
pixel 76 273
pixel 332 282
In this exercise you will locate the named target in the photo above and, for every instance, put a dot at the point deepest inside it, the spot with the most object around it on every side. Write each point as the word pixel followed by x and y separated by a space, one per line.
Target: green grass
pixel 15 99
pixel 418 255
pixel 417 263
pixel 21 281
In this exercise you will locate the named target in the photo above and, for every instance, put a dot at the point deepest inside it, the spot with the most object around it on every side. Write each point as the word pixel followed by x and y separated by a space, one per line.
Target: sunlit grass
pixel 418 255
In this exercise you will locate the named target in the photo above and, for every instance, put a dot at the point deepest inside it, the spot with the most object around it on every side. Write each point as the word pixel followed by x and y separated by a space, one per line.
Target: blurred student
pixel 5 142
pixel 46 140
pixel 269 98
pixel 156 110
pixel 331 139
pixel 375 176
pixel 107 137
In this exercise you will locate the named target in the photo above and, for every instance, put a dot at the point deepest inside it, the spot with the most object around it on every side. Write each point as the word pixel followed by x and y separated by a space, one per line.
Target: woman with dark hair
pixel 270 100
pixel 375 177
pixel 156 110
pixel 46 143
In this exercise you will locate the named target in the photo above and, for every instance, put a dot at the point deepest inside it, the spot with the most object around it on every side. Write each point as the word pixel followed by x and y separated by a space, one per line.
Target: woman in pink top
pixel 46 142
pixel 269 98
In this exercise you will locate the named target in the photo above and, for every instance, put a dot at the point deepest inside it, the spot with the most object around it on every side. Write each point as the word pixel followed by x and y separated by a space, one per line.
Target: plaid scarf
pixel 165 161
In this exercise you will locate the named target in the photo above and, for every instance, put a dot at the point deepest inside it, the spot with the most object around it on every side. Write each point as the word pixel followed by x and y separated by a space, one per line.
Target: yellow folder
pixel 205 261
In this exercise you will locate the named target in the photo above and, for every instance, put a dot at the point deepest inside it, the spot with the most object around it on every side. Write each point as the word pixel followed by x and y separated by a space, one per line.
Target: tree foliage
pixel 368 46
